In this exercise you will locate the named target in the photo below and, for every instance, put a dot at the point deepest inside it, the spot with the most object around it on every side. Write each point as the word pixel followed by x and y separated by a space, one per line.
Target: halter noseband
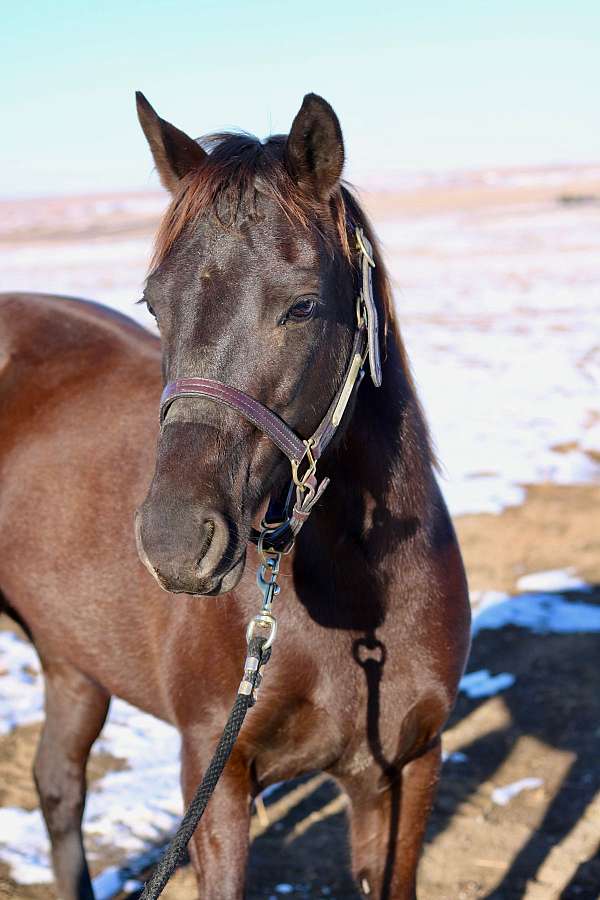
pixel 281 533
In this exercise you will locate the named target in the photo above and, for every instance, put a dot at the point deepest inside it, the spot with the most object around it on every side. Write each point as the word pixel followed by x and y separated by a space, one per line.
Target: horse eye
pixel 149 308
pixel 302 309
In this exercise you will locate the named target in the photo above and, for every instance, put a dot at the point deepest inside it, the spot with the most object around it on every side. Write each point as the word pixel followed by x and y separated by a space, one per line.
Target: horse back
pixel 78 391
pixel 64 332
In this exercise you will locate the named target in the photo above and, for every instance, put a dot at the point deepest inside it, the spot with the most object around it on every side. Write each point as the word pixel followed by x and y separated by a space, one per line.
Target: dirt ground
pixel 557 527
pixel 540 846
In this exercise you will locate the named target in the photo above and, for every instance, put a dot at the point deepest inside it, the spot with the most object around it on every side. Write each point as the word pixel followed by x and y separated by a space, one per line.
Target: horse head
pixel 252 284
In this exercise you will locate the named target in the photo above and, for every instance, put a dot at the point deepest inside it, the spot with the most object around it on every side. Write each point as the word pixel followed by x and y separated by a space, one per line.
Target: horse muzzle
pixel 194 555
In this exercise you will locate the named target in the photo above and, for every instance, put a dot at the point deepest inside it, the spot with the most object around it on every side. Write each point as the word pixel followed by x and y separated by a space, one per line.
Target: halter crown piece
pixel 279 529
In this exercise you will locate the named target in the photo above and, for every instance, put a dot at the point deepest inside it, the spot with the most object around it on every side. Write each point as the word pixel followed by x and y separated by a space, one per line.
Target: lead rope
pixel 259 651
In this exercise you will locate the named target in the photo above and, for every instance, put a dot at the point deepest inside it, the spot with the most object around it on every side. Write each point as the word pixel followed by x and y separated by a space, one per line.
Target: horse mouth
pixel 225 583
pixel 211 587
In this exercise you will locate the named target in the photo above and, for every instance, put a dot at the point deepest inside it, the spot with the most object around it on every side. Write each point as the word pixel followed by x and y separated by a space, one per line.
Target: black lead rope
pixel 243 701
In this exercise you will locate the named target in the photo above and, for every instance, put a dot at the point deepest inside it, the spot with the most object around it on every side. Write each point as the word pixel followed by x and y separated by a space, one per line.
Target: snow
pixel 271 788
pixel 500 312
pixel 542 613
pixel 21 697
pixel 457 756
pixel 114 878
pixel 503 795
pixel 24 845
pixel 552 580
pixel 482 684
pixel 134 809
pixel 108 883
pixel 591 439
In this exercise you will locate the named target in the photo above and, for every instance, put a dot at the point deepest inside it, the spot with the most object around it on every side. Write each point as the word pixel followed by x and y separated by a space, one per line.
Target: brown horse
pixel 254 282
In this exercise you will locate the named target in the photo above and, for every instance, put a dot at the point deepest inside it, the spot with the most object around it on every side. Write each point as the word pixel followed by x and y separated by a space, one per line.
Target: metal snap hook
pixel 263 620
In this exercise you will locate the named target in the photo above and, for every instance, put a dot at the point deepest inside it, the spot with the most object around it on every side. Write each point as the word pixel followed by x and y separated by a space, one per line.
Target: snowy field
pixel 499 308
pixel 500 311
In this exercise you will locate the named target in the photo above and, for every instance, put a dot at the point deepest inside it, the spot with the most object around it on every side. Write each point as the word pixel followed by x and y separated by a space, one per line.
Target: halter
pixel 279 531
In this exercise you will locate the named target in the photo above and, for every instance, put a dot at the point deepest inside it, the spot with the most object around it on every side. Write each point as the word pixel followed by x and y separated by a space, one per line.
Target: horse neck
pixel 380 505
pixel 384 457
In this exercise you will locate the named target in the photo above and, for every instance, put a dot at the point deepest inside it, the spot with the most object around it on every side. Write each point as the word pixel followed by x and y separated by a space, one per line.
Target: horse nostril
pixel 209 533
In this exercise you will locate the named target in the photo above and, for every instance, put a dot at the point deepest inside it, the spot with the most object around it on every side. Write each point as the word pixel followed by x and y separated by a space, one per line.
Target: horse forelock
pixel 236 171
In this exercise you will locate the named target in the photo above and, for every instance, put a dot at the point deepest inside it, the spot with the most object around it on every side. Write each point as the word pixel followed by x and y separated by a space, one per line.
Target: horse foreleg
pixel 219 847
pixel 75 712
pixel 388 829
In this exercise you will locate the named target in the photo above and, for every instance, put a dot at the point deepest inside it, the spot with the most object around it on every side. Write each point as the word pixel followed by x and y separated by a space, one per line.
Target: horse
pixel 254 282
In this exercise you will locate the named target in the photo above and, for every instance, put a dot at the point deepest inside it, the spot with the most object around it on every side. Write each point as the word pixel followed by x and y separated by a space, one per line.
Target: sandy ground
pixel 544 843
pixel 558 526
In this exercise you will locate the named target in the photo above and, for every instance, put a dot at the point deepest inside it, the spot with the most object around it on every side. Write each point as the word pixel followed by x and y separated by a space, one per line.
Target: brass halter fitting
pixel 302 481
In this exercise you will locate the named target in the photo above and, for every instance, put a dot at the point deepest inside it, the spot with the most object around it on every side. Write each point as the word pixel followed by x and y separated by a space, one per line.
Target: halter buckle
pixel 302 481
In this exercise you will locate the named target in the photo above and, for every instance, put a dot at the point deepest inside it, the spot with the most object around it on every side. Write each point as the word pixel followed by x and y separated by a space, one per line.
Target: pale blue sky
pixel 417 85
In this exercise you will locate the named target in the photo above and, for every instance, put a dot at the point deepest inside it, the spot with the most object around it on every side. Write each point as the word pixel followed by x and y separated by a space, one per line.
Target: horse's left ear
pixel 314 152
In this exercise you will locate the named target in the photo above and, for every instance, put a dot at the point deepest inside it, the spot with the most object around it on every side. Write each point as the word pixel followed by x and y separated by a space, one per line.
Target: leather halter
pixel 281 534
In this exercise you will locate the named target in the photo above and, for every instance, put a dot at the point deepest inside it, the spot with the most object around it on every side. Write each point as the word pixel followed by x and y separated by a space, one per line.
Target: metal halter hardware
pixel 298 450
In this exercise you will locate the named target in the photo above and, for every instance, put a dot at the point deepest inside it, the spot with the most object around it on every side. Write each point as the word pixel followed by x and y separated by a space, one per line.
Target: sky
pixel 420 85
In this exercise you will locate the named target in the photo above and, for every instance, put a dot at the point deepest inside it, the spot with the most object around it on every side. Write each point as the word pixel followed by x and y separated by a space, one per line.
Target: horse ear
pixel 175 154
pixel 314 151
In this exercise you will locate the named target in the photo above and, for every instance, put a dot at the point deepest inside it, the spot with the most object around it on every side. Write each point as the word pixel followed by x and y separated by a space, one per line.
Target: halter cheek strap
pixel 281 534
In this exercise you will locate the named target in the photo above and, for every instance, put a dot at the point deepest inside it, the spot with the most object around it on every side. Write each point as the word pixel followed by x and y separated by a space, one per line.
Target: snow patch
pixel 543 613
pixel 133 809
pixel 551 580
pixel 108 883
pixel 503 795
pixel 21 687
pixel 457 756
pixel 24 845
pixel 591 439
pixel 482 684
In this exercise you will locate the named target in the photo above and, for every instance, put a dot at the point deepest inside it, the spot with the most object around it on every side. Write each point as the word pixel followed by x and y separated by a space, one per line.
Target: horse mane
pixel 238 168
